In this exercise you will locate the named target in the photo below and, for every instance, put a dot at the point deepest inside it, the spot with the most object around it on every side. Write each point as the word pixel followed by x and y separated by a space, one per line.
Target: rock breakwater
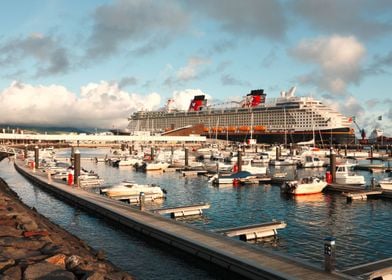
pixel 32 247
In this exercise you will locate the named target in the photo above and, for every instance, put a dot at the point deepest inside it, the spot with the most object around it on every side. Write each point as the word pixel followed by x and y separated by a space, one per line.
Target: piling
pixel 76 166
pixel 142 200
pixel 186 157
pixel 152 153
pixel 345 150
pixel 332 159
pixel 329 254
pixel 277 152
pixel 36 157
pixel 131 149
pixel 239 161
pixel 291 149
pixel 122 147
pixel 72 154
pixel 371 151
pixel 25 151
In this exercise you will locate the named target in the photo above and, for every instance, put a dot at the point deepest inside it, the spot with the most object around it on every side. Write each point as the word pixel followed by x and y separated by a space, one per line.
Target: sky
pixel 93 63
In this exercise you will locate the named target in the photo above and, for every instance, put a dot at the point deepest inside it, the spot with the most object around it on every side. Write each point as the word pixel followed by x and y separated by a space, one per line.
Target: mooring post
pixel 332 158
pixel 371 152
pixel 390 150
pixel 36 157
pixel 345 150
pixel 277 152
pixel 329 254
pixel 122 147
pixel 142 200
pixel 76 167
pixel 152 153
pixel 25 151
pixel 239 160
pixel 186 157
pixel 72 154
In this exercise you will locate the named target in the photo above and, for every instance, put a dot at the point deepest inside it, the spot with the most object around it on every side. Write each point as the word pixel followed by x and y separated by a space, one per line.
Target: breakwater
pixel 31 247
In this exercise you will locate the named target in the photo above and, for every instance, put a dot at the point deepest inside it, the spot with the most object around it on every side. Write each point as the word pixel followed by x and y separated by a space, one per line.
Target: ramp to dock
pixel 233 255
pixel 375 270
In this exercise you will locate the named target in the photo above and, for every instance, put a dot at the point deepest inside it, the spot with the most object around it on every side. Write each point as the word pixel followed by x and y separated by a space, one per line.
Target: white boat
pixel 306 185
pixel 232 179
pixel 261 158
pixel 254 170
pixel 129 162
pixel 345 175
pixel 386 183
pixel 127 188
pixel 218 166
pixel 156 166
pixel 283 162
pixel 311 161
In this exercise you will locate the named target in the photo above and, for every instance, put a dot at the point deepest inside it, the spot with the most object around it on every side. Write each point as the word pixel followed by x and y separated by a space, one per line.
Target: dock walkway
pixel 233 255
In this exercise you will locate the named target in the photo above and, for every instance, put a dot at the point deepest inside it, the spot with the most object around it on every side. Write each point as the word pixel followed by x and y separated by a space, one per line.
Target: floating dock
pixel 252 232
pixel 231 254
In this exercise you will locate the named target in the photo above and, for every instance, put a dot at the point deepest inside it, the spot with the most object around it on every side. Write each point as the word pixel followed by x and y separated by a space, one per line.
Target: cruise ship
pixel 286 119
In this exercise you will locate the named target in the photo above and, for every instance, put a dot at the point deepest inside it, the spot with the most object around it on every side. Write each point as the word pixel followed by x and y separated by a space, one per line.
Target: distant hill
pixel 48 129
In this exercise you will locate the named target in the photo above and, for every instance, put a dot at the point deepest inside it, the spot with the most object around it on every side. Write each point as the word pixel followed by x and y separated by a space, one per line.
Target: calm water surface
pixel 362 229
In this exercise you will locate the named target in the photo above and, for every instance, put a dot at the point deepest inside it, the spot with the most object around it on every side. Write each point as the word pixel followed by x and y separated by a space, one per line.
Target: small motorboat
pixel 345 175
pixel 386 183
pixel 127 189
pixel 311 161
pixel 232 179
pixel 306 185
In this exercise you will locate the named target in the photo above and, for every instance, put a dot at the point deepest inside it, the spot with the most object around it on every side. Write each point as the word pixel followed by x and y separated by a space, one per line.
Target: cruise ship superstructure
pixel 286 119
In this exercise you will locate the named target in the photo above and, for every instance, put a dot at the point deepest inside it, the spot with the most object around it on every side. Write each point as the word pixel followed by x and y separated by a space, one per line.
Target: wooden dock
pixel 231 254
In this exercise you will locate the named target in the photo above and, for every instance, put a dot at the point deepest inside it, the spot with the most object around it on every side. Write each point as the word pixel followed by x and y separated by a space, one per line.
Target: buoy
pixel 236 182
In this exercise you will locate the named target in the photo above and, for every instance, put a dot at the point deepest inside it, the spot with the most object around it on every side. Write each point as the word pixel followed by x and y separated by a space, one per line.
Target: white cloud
pixel 191 70
pixel 101 105
pixel 337 58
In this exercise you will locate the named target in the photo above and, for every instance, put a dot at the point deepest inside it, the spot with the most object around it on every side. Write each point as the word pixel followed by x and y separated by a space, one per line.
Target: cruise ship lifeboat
pixel 259 128
pixel 231 128
pixel 244 128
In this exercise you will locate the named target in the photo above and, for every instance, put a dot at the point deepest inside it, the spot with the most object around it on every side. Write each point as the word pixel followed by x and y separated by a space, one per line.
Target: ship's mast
pixel 285 126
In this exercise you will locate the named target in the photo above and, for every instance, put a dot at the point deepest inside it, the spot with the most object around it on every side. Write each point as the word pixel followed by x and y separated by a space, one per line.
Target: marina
pixel 187 140
pixel 166 204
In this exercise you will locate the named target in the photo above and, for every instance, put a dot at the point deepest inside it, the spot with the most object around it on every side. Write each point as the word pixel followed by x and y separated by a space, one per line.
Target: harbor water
pixel 362 229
